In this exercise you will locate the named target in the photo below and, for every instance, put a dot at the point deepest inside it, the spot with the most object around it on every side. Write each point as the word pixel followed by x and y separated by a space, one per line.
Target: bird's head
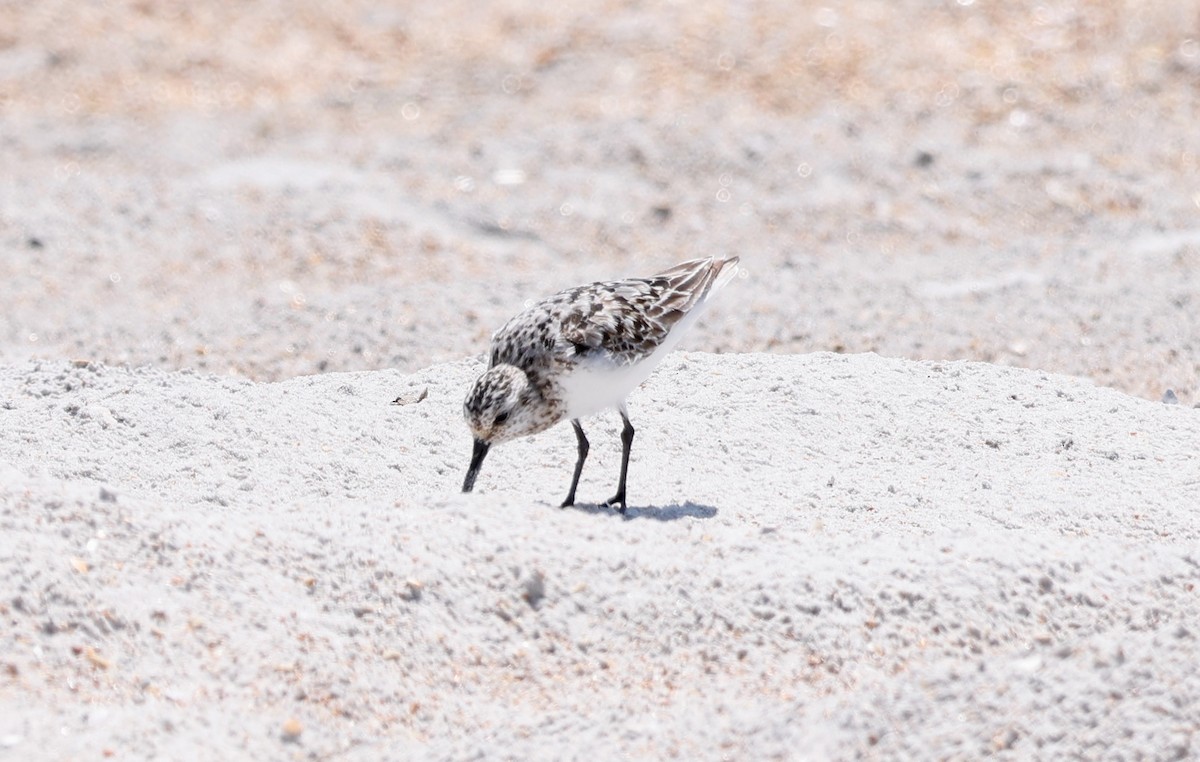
pixel 499 408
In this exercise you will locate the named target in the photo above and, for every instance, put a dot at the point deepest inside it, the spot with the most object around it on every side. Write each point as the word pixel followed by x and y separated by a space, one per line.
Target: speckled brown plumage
pixel 584 349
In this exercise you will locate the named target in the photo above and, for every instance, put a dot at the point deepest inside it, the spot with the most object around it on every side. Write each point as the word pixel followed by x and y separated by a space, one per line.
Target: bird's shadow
pixel 673 512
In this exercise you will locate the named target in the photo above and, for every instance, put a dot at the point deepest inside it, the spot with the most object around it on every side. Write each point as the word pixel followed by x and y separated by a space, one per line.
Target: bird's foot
pixel 570 501
pixel 617 502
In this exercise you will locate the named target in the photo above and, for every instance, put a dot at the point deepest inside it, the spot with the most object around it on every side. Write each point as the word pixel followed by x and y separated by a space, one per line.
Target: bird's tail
pixel 692 282
pixel 724 270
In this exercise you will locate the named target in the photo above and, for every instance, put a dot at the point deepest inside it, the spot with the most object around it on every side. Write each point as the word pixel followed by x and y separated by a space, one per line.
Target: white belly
pixel 598 384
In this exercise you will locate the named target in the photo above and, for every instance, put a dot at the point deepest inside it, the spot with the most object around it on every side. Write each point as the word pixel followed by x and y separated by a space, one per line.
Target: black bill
pixel 481 448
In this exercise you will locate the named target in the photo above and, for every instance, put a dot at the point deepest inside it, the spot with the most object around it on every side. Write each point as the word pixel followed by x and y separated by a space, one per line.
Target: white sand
pixel 826 556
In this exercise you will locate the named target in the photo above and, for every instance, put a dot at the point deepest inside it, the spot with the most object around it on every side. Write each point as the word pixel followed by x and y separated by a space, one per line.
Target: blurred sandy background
pixel 279 188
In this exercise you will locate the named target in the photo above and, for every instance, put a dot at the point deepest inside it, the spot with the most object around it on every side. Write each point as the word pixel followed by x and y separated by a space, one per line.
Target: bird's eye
pixel 500 419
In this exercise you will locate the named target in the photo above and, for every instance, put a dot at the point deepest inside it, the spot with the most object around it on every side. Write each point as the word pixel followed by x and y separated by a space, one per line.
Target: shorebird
pixel 582 351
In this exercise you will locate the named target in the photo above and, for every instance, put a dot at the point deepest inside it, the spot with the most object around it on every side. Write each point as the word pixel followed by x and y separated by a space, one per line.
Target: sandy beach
pixel 921 485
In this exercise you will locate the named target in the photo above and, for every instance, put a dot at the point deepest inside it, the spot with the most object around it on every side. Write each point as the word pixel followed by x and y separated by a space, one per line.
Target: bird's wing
pixel 619 321
pixel 623 320
pixel 627 320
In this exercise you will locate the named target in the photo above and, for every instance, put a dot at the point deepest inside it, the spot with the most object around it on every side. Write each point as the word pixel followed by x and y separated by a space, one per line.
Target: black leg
pixel 626 443
pixel 583 451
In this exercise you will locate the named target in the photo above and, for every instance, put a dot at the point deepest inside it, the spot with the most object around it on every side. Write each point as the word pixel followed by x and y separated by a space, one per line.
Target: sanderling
pixel 584 350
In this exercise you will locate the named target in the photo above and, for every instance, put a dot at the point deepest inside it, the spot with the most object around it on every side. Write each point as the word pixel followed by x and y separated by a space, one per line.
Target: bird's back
pixel 625 321
pixel 591 345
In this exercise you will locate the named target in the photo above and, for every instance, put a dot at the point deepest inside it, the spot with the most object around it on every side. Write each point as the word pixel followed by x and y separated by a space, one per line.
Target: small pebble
pixel 535 589
pixel 292 730
pixel 97 661
pixel 411 397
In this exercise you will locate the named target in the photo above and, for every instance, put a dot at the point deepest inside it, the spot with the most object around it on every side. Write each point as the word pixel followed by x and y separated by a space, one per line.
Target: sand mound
pixel 824 555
